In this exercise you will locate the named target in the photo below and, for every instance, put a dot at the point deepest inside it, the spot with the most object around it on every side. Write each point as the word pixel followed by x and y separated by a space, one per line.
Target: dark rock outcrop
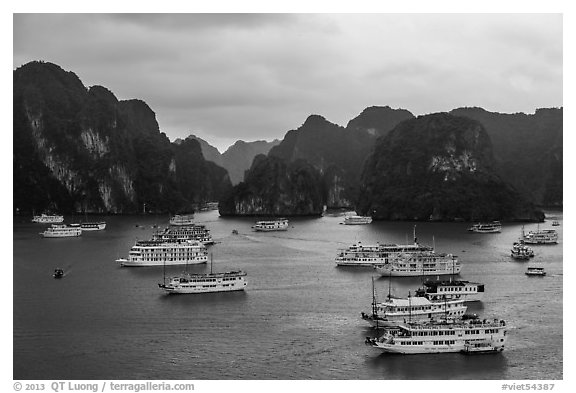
pixel 81 149
pixel 528 150
pixel 438 167
pixel 378 120
pixel 331 149
pixel 274 187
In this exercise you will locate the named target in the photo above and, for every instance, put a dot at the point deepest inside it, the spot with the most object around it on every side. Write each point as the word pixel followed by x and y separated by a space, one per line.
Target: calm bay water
pixel 299 317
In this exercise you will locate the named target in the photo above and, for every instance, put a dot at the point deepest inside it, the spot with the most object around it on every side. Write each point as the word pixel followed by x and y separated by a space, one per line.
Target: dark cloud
pixel 255 76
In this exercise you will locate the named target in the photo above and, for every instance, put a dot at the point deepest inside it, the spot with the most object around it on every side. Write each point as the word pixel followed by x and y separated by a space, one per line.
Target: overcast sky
pixel 226 77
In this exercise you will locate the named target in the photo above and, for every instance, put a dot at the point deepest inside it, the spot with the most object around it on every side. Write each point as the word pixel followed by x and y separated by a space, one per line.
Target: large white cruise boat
pixel 377 254
pixel 182 219
pixel 195 232
pixel 48 219
pixel 451 290
pixel 394 311
pixel 541 236
pixel 280 224
pixel 421 264
pixel 187 283
pixel 357 220
pixel 490 227
pixel 466 336
pixel 159 253
pixel 62 230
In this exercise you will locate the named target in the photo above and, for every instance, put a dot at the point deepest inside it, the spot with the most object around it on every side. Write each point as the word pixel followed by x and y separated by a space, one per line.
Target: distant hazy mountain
pixel 438 167
pixel 528 150
pixel 82 149
pixel 238 157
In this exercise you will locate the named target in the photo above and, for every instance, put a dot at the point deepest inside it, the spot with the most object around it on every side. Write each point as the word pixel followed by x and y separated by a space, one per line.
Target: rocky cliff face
pixel 81 149
pixel 331 149
pixel 528 150
pixel 274 187
pixel 438 167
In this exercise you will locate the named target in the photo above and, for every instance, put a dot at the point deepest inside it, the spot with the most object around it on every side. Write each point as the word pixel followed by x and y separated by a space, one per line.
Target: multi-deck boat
pixel 540 236
pixel 464 336
pixel 452 290
pixel 182 219
pixel 280 224
pixel 93 226
pixel 394 311
pixel 490 227
pixel 193 232
pixel 48 219
pixel 159 252
pixel 521 251
pixel 376 255
pixel 205 283
pixel 418 264
pixel 62 230
pixel 535 271
pixel 357 220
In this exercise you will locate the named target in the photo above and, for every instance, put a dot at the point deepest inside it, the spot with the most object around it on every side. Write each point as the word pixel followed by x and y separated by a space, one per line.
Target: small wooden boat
pixel 58 273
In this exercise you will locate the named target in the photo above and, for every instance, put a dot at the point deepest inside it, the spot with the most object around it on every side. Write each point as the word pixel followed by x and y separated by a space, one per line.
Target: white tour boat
pixel 483 227
pixel 377 254
pixel 62 230
pixel 535 271
pixel 357 220
pixel 48 219
pixel 452 289
pixel 193 232
pixel 421 264
pixel 93 226
pixel 394 311
pixel 280 224
pixel 206 283
pixel 159 253
pixel 540 236
pixel 521 251
pixel 182 219
pixel 464 336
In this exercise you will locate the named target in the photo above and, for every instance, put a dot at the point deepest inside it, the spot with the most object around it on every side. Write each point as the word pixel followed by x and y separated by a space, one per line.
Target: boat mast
pixel 210 263
pixel 374 308
pixel 410 305
pixel 415 239
pixel 164 272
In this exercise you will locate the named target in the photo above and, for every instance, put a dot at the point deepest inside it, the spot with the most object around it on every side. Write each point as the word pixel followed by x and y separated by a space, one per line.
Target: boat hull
pixel 396 273
pixel 418 349
pixel 187 290
pixel 128 263
pixel 59 235
pixel 93 227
